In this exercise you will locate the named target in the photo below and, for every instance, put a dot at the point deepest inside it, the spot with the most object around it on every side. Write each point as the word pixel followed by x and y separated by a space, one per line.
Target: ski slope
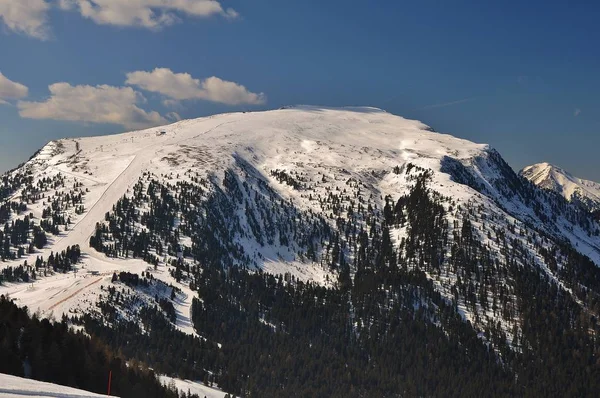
pixel 78 293
pixel 18 387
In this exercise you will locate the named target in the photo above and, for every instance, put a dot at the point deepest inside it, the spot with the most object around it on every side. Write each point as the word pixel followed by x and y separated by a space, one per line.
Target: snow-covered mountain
pixel 329 196
pixel 574 189
pixel 299 156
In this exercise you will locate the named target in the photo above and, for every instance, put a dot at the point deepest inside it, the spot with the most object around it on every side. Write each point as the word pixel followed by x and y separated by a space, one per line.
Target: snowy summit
pixel 574 189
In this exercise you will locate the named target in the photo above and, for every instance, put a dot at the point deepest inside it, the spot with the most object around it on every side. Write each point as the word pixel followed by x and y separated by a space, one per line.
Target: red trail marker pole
pixel 109 380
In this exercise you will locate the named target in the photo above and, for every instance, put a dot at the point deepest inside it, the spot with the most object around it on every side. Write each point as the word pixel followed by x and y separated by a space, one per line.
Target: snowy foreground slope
pixel 574 189
pixel 284 191
pixel 18 387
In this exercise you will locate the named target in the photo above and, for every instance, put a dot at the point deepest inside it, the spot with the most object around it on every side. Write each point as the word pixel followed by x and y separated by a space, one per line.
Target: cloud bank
pixel 95 104
pixel 151 14
pixel 121 105
pixel 182 86
pixel 30 17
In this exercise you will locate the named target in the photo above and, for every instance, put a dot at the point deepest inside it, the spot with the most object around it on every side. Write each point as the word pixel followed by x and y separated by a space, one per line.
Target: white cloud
pixel 30 17
pixel 26 17
pixel 152 14
pixel 11 90
pixel 182 86
pixel 577 112
pixel 99 104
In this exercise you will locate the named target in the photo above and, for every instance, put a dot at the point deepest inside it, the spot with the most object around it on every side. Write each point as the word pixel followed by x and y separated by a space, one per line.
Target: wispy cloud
pixel 445 104
pixel 577 112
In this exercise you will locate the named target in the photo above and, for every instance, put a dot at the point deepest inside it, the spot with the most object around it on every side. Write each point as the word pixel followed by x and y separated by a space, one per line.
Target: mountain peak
pixel 554 178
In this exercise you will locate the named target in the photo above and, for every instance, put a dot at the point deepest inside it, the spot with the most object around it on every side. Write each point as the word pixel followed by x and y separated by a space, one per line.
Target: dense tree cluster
pixel 22 232
pixel 56 262
pixel 49 351
pixel 216 217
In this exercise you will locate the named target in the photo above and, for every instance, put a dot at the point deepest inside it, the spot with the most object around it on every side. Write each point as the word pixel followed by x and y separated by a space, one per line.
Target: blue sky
pixel 521 76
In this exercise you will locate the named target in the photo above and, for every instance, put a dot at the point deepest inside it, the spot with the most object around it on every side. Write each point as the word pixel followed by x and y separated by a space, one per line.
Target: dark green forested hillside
pixel 383 330
pixel 50 352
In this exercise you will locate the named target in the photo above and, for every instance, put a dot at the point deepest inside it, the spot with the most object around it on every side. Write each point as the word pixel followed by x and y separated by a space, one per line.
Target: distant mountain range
pixel 577 190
